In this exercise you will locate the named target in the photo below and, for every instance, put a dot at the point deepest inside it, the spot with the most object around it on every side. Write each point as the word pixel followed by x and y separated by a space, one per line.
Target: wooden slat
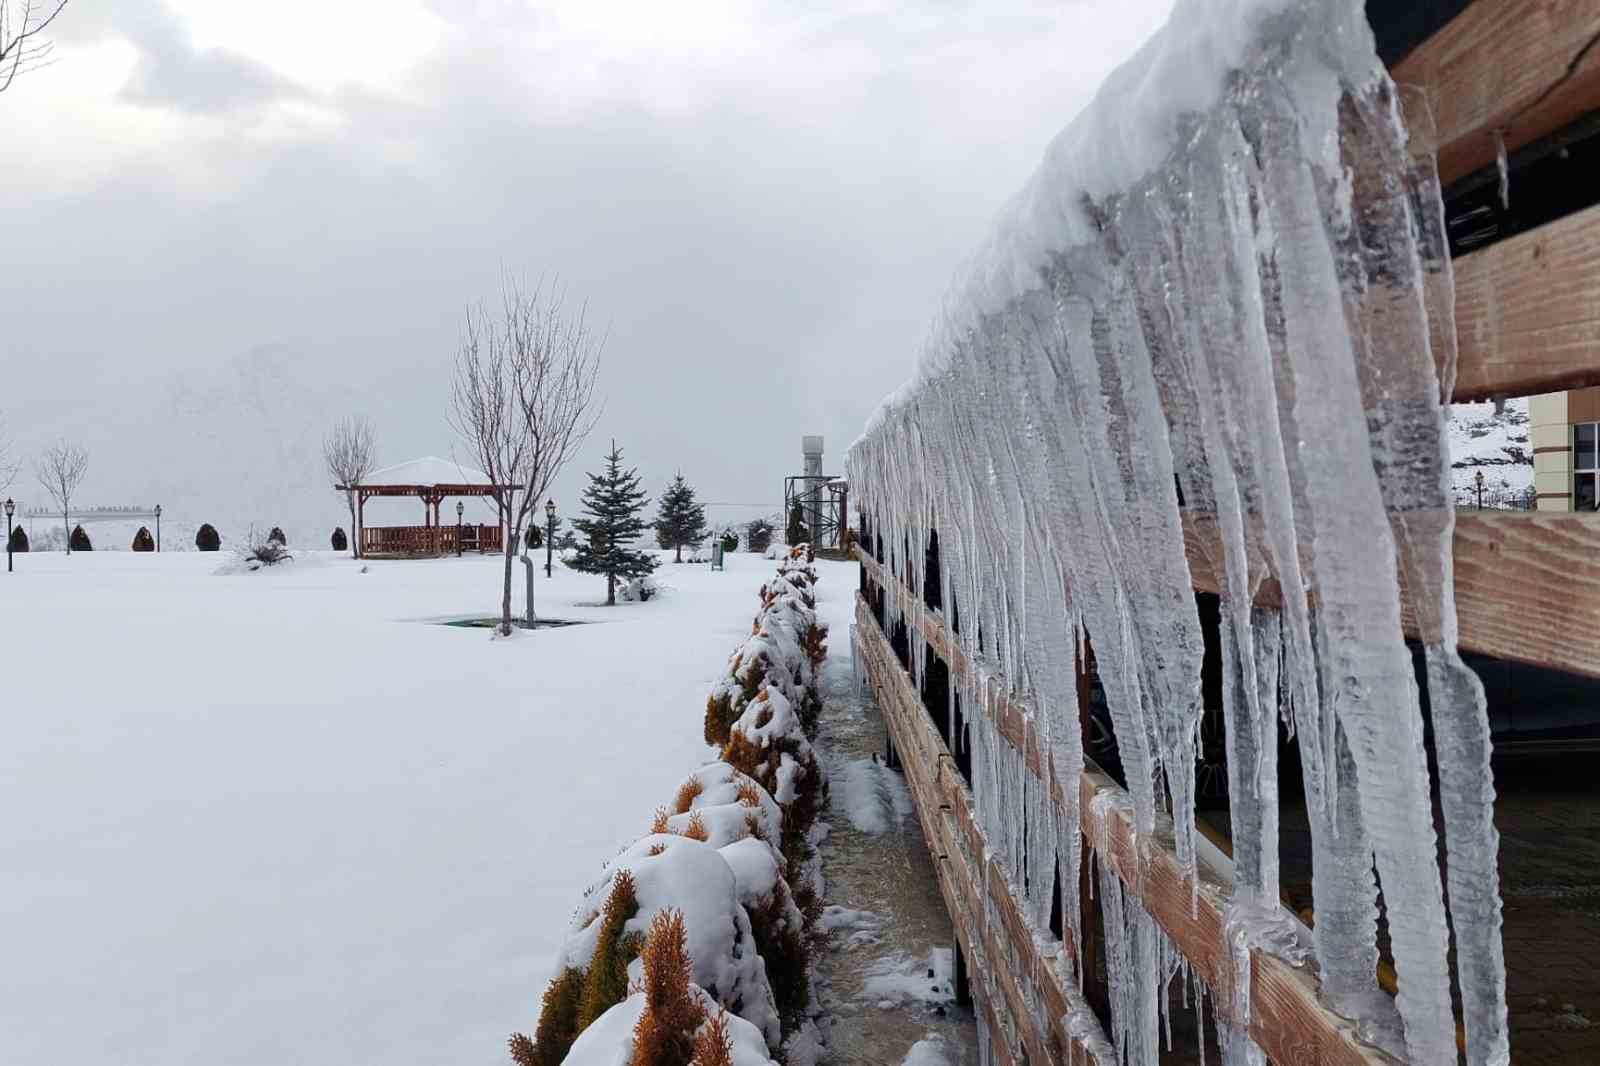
pixel 1527 585
pixel 1502 65
pixel 969 877
pixel 1528 311
pixel 1286 1021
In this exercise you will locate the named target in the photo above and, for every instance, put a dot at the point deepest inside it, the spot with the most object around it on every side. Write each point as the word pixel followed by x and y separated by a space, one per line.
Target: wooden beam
pixel 1527 584
pixel 1528 311
pixel 1287 1021
pixel 1523 67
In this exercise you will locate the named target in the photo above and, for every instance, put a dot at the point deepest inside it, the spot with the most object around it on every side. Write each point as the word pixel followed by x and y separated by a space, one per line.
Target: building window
pixel 1586 466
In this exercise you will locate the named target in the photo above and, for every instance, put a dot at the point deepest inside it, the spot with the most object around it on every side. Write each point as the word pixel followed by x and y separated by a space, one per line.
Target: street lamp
pixel 1478 479
pixel 461 508
pixel 158 527
pixel 549 533
pixel 11 509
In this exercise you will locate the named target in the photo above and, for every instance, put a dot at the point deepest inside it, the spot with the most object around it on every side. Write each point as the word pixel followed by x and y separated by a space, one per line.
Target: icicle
pixel 1503 166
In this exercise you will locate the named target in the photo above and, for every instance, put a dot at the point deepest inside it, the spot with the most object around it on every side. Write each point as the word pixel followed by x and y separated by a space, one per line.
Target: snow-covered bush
pixel 207 539
pixel 339 541
pixel 19 540
pixel 758 535
pixel 79 541
pixel 277 536
pixel 143 541
pixel 670 871
pixel 638 589
pixel 256 553
pixel 717 908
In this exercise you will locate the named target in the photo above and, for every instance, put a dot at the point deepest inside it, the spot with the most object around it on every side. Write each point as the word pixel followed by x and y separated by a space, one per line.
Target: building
pixel 1566 449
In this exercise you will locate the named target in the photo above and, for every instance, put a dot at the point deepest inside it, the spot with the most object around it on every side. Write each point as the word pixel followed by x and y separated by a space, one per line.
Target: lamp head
pixel 550 508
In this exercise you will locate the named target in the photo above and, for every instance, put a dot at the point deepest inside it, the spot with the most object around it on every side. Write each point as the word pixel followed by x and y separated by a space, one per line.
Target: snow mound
pixel 693 877
pixel 609 1039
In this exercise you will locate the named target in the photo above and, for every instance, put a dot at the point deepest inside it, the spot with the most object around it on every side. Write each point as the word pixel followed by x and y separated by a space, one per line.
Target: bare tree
pixel 8 465
pixel 22 49
pixel 348 450
pixel 59 469
pixel 523 400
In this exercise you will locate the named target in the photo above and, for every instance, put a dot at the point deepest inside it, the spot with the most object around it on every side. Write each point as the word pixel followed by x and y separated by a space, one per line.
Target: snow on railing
pixel 1222 282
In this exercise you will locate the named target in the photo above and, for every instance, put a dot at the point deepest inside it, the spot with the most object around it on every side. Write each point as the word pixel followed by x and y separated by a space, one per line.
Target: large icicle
pixel 1224 285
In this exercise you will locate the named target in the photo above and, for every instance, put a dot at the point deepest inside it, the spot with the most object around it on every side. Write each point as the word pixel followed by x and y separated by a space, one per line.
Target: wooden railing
pixel 430 540
pixel 1286 1020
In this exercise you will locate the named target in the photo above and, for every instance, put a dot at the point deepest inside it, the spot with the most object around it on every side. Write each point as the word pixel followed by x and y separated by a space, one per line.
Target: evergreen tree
pixel 612 504
pixel 680 520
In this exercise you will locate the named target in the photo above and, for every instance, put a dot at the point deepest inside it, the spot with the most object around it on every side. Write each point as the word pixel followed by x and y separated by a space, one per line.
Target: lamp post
pixel 549 534
pixel 1478 480
pixel 158 527
pixel 11 509
pixel 461 508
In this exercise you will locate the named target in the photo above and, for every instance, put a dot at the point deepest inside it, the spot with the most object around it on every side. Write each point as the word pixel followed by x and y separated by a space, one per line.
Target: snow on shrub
pixel 339 541
pixel 731 806
pixel 207 539
pixel 719 905
pixel 79 540
pixel 675 871
pixel 19 540
pixel 143 541
pixel 638 589
pixel 277 537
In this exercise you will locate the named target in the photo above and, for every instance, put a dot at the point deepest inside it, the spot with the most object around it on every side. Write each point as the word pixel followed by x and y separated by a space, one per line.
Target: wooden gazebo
pixel 432 480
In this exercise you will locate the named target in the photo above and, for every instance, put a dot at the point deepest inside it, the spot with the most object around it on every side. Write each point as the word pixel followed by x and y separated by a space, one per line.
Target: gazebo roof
pixel 429 475
pixel 429 470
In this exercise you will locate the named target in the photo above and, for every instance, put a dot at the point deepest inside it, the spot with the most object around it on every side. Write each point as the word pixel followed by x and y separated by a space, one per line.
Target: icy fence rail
pixel 1235 303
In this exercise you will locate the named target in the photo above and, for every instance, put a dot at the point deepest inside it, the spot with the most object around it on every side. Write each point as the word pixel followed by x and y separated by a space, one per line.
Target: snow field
pixel 285 817
pixel 698 935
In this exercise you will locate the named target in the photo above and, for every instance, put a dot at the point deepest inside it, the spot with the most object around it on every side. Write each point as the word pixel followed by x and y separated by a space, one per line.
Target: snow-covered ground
pixel 282 818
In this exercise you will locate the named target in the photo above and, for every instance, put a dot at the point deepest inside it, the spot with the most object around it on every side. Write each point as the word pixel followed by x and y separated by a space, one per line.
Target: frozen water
pixel 1227 286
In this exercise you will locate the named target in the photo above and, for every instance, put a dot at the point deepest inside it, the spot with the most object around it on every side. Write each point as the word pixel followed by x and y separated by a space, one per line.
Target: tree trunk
pixel 505 600
pixel 679 559
pixel 355 530
pixel 66 526
pixel 611 590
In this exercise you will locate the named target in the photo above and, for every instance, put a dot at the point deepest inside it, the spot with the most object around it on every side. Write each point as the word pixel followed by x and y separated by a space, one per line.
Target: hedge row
pixel 694 946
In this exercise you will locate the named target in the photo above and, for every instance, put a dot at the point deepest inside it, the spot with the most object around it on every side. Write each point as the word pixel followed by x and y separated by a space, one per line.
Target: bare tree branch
pixel 348 450
pixel 8 465
pixel 523 399
pixel 21 48
pixel 59 469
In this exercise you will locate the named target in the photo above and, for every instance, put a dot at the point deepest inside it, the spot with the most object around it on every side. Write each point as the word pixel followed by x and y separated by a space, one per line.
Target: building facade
pixel 1565 434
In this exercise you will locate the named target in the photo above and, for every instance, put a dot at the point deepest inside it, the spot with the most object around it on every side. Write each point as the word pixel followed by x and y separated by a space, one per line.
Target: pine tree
pixel 681 520
pixel 612 504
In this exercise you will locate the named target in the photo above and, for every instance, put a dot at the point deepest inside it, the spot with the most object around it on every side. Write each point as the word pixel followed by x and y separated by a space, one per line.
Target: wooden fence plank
pixel 1517 66
pixel 1287 1021
pixel 1527 584
pixel 1528 311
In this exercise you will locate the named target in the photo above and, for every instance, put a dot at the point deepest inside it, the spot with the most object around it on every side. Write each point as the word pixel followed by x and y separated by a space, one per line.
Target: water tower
pixel 815 503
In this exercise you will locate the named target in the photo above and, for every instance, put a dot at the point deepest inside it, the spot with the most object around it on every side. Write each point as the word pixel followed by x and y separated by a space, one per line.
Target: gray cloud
pixel 768 255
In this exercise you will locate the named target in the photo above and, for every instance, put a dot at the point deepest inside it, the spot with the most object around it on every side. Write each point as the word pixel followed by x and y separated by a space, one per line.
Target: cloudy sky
pixel 227 223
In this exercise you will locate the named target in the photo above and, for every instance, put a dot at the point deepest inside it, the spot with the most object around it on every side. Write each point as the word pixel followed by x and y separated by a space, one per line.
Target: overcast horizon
pixel 231 226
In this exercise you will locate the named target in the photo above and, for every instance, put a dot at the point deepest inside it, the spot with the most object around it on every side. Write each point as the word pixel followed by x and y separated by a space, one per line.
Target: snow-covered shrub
pixel 79 540
pixel 690 875
pixel 730 540
pixel 207 539
pixel 143 541
pixel 19 540
pixel 758 535
pixel 768 742
pixel 722 1040
pixel 731 806
pixel 256 553
pixel 277 537
pixel 339 541
pixel 638 589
